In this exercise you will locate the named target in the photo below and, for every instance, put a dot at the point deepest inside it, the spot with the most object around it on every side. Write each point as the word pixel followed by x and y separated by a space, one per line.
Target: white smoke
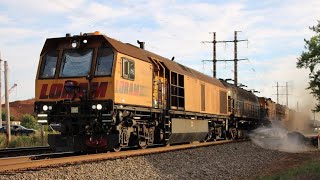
pixel 278 138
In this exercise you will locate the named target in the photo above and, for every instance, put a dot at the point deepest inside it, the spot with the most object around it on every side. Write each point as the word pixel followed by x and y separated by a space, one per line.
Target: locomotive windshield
pixel 48 67
pixel 104 62
pixel 76 63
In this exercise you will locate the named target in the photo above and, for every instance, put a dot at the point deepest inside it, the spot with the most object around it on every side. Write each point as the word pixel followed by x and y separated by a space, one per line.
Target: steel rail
pixel 21 149
pixel 10 151
pixel 23 163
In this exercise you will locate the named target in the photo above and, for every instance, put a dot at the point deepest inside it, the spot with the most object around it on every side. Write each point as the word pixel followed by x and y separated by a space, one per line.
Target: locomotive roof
pixel 144 55
pixel 242 93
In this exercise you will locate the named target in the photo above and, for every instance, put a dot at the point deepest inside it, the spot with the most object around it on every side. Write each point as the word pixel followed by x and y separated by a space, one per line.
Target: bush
pixel 3 115
pixel 3 141
pixel 24 141
pixel 29 121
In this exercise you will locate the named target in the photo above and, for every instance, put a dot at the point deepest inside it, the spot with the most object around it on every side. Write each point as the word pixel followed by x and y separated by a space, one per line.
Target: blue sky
pixel 275 31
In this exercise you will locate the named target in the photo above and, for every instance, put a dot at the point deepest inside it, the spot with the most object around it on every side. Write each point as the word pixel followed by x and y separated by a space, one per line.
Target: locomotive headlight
pixel 45 107
pixel 50 107
pixel 99 106
pixel 94 106
pixel 74 44
pixel 85 41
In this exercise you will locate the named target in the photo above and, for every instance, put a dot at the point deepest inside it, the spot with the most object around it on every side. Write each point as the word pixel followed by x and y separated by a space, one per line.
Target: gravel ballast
pixel 235 161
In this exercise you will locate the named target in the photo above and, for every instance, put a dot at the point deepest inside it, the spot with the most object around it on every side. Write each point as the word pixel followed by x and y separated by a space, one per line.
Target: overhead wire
pixel 92 23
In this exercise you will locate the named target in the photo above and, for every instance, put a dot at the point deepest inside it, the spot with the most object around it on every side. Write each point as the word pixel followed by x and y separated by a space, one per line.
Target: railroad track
pixel 9 152
pixel 34 162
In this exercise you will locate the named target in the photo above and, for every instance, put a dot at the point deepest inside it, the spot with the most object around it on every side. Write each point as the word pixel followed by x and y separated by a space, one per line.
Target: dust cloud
pixel 278 138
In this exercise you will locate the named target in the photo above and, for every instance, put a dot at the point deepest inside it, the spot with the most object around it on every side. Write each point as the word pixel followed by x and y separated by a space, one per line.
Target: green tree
pixel 310 59
pixel 29 121
pixel 3 115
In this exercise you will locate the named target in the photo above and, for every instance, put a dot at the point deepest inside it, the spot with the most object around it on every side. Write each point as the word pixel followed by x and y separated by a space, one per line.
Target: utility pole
pixel 286 94
pixel 235 60
pixel 277 93
pixel 214 53
pixel 7 103
pixel 315 123
pixel 0 92
pixel 214 56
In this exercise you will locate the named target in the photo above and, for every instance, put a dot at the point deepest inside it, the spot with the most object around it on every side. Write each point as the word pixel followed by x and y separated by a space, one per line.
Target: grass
pixel 24 141
pixel 308 170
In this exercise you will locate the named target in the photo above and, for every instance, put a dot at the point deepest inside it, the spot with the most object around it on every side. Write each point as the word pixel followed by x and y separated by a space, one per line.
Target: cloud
pixel 4 19
pixel 282 70
pixel 170 28
pixel 32 7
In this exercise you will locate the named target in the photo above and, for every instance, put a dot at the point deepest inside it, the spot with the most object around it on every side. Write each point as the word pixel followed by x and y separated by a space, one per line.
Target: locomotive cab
pixel 74 88
pixel 89 84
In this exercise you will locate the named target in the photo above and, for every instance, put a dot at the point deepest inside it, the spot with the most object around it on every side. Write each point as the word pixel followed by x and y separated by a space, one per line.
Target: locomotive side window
pixel 128 69
pixel 48 67
pixel 104 62
pixel 76 63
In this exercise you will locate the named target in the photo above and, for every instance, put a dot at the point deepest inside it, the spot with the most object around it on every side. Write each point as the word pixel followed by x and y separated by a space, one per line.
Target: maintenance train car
pixel 108 95
pixel 274 111
pixel 243 109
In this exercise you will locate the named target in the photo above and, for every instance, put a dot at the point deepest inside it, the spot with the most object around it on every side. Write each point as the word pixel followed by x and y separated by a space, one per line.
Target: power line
pixel 235 60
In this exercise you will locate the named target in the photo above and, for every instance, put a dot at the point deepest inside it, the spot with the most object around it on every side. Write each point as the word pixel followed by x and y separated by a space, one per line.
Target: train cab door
pixel 231 102
pixel 159 84
pixel 230 105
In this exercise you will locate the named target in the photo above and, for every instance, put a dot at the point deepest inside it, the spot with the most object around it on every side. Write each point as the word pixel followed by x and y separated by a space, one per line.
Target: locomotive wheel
pixel 233 133
pixel 117 149
pixel 143 144
pixel 208 138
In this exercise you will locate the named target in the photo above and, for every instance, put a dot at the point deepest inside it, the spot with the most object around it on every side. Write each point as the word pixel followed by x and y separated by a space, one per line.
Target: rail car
pixel 274 111
pixel 289 118
pixel 243 108
pixel 109 95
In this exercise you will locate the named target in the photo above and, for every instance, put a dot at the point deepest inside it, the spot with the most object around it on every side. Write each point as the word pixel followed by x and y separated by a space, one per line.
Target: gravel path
pixel 229 161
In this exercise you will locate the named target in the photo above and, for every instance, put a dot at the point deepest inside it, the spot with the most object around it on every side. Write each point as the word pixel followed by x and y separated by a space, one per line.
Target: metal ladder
pixel 167 127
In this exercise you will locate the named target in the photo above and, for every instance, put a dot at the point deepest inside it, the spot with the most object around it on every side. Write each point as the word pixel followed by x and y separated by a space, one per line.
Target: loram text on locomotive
pixel 58 91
